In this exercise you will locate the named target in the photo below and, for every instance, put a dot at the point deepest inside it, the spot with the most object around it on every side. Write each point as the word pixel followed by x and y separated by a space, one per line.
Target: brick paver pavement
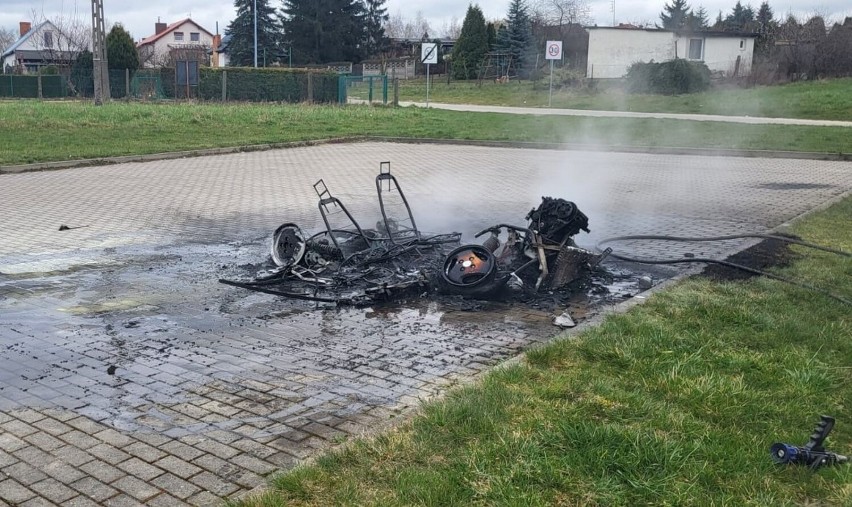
pixel 129 375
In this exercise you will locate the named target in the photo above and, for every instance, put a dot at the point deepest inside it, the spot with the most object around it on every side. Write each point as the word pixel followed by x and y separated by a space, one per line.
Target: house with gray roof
pixel 38 47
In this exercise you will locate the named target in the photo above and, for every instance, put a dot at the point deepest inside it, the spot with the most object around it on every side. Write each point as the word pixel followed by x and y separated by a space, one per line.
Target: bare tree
pixel 398 27
pixel 7 38
pixel 561 13
pixel 72 36
pixel 452 29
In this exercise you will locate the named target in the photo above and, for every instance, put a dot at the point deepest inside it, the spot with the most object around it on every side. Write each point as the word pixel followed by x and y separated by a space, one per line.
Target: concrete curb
pixel 662 150
pixel 69 164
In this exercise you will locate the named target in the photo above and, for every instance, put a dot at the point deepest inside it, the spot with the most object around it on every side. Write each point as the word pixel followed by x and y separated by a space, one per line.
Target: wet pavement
pixel 129 375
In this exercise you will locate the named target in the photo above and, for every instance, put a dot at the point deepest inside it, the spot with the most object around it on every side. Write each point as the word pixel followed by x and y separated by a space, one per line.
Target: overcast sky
pixel 139 16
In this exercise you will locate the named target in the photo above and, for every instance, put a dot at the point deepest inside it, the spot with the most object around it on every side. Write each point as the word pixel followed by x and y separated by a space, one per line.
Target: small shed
pixel 612 50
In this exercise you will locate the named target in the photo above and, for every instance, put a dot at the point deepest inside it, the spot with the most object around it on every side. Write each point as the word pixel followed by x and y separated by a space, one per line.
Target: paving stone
pixel 18 428
pixel 34 456
pixel 123 501
pixel 254 464
pixel 204 499
pixel 38 502
pixel 181 450
pixel 44 441
pixel 253 388
pixel 214 484
pixel 178 467
pixel 94 489
pixel 109 454
pixel 165 500
pixel 175 486
pixel 24 473
pixel 114 438
pixel 144 452
pixel 52 426
pixel 139 469
pixel 135 488
pixel 53 490
pixel 14 492
pixel 79 439
pixel 81 501
pixel 62 472
pixel 102 470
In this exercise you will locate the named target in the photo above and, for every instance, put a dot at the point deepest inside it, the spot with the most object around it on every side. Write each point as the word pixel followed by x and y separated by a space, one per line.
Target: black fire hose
pixel 703 260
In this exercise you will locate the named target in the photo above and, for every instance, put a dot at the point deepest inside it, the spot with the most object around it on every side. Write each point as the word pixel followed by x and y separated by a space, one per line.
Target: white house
pixel 185 35
pixel 38 47
pixel 612 50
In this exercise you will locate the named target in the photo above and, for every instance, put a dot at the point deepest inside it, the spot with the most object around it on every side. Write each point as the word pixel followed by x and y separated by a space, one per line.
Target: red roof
pixel 169 29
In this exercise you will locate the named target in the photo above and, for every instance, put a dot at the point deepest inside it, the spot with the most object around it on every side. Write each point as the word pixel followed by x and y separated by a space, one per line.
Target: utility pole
pixel 100 66
pixel 255 33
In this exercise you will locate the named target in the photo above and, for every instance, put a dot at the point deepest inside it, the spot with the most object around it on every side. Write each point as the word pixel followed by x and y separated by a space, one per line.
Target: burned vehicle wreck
pixel 347 264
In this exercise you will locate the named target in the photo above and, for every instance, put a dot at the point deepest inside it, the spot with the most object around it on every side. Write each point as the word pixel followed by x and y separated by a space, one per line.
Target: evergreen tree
pixel 676 15
pixel 322 31
pixel 740 18
pixel 517 38
pixel 698 20
pixel 121 51
pixel 472 45
pixel 766 29
pixel 492 36
pixel 375 17
pixel 241 30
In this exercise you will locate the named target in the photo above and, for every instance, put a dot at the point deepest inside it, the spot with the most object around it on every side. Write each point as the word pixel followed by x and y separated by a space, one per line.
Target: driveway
pixel 129 375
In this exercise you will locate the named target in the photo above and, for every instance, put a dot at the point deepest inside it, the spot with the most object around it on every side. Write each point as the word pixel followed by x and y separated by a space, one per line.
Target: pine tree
pixel 698 19
pixel 241 30
pixel 375 17
pixel 517 37
pixel 470 49
pixel 676 15
pixel 492 36
pixel 322 31
pixel 740 18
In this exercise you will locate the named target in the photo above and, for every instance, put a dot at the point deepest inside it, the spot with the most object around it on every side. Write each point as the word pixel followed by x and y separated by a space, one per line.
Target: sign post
pixel 428 56
pixel 553 52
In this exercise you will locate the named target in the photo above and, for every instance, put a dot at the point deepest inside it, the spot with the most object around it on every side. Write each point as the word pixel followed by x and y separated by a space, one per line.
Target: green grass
pixel 674 403
pixel 823 100
pixel 35 131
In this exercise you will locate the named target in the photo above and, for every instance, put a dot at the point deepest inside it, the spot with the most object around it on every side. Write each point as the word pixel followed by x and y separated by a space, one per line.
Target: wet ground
pixel 129 374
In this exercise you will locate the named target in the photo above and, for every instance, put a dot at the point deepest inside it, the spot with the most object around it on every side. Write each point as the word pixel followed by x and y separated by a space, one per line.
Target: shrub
pixel 268 85
pixel 673 77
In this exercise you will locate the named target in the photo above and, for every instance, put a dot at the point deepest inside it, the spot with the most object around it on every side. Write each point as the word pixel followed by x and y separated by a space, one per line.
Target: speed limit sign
pixel 554 50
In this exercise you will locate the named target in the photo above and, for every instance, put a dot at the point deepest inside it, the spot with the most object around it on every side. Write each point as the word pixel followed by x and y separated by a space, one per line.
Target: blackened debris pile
pixel 347 264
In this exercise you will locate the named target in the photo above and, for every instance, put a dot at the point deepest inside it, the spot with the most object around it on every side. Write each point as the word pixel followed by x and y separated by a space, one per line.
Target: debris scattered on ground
pixel 347 264
pixel 564 320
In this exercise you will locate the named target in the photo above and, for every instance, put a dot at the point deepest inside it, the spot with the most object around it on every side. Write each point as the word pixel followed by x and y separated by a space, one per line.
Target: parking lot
pixel 128 374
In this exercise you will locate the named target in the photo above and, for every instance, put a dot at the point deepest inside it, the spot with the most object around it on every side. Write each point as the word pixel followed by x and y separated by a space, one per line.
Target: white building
pixel 612 50
pixel 185 36
pixel 38 47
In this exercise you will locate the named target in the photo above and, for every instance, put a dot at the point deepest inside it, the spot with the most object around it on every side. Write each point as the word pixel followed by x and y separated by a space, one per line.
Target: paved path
pixel 128 375
pixel 539 111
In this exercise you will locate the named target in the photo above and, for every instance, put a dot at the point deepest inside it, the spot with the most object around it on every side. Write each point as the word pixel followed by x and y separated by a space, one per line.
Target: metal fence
pixel 205 83
pixel 363 89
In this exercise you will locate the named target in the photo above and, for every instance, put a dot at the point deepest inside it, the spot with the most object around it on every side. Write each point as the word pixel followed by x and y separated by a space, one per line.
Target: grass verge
pixel 830 99
pixel 674 403
pixel 35 131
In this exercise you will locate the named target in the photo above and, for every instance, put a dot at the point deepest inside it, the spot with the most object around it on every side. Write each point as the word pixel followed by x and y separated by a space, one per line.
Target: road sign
pixel 554 50
pixel 428 53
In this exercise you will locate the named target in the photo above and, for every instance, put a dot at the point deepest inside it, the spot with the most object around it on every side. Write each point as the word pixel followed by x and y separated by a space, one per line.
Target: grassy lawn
pixel 35 131
pixel 825 100
pixel 674 403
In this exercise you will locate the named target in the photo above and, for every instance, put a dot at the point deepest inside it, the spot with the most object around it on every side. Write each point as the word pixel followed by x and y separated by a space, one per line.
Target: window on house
pixel 742 43
pixel 194 36
pixel 695 49
pixel 48 39
pixel 179 36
